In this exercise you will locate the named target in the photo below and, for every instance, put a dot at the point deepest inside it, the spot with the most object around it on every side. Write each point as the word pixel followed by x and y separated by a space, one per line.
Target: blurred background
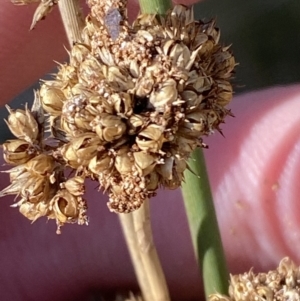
pixel 264 36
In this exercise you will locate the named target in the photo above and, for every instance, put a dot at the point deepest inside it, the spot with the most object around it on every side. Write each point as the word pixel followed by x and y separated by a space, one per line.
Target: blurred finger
pixel 255 178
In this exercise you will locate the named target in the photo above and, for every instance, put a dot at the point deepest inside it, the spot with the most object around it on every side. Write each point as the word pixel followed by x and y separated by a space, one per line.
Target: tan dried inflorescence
pixel 281 284
pixel 130 106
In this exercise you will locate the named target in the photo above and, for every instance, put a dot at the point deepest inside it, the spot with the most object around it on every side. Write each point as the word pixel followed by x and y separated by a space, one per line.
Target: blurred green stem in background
pixel 155 6
pixel 204 226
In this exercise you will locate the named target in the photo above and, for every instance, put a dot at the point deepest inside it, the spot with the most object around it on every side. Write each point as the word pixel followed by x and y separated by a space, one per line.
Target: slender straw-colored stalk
pixel 72 18
pixel 156 277
pixel 204 226
pixel 138 234
pixel 127 225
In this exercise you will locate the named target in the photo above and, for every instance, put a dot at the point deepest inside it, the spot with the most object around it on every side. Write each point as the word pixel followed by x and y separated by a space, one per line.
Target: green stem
pixel 204 226
pixel 155 6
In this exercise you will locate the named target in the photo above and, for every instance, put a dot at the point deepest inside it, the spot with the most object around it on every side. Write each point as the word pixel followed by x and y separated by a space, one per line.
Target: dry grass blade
pixel 43 9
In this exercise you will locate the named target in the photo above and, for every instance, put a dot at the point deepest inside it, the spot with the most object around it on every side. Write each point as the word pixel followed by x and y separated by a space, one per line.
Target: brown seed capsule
pixel 41 165
pixel 33 211
pixel 151 139
pixel 102 163
pixel 180 54
pixel 67 75
pixel 134 123
pixel 75 186
pixel 64 206
pixel 109 127
pixel 171 172
pixel 144 162
pixel 225 93
pixel 185 145
pixel 194 125
pixel 81 150
pixel 164 96
pixel 17 151
pixel 22 124
pixel 153 181
pixel 144 86
pixel 106 56
pixel 118 80
pixel 90 71
pixel 124 161
pixel 78 54
pixel 36 189
pixel 52 99
pixel 192 99
pixel 123 104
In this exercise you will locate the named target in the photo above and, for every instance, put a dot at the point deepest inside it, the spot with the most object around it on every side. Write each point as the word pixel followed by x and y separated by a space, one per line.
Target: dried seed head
pixel 128 194
pixel 280 284
pixel 127 110
pixel 35 187
pixel 67 208
pixel 22 124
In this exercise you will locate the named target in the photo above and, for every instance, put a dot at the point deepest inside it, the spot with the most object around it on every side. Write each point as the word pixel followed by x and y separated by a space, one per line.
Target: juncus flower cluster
pixel 281 284
pixel 127 110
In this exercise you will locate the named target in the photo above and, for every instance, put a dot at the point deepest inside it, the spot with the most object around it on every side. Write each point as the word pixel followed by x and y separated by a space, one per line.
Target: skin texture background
pixel 254 170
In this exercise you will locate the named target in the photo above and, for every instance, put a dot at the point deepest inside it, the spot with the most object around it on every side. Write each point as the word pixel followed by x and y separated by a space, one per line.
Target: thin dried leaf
pixel 23 2
pixel 43 9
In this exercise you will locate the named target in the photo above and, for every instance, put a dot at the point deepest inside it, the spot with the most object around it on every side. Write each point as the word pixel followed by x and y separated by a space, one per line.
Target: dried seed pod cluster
pixel 38 175
pixel 133 102
pixel 280 284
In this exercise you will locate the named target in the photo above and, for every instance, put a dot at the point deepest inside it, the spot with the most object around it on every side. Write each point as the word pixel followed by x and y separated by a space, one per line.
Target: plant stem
pixel 137 231
pixel 204 226
pixel 155 6
pixel 156 277
pixel 72 18
pixel 127 224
